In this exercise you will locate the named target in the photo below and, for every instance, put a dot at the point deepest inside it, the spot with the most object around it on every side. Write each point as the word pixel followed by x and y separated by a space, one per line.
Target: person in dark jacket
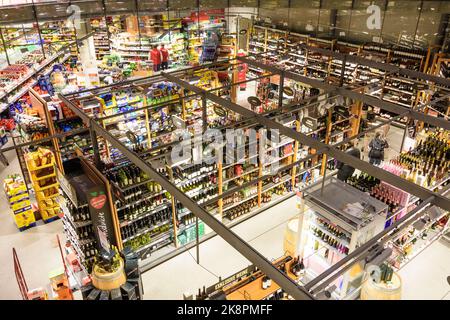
pixel 345 171
pixel 377 146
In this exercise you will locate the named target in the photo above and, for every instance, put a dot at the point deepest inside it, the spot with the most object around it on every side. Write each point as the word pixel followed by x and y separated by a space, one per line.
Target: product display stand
pixel 341 219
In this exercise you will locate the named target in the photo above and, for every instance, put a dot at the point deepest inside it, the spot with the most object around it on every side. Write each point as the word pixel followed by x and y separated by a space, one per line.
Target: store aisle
pixel 425 277
pixel 36 247
pixel 265 232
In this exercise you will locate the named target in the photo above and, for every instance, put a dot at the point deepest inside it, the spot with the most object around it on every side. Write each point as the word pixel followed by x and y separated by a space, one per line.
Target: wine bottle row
pixel 193 171
pixel 363 182
pixel 80 213
pixel 241 209
pixel 388 196
pixel 333 242
pixel 134 211
pixel 146 223
pixel 334 230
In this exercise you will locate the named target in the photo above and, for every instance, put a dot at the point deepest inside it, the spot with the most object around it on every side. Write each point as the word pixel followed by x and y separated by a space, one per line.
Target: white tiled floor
pixel 425 277
pixel 265 232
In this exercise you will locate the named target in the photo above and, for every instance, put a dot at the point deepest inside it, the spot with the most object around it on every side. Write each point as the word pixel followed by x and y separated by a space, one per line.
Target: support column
pixel 280 90
pixel 4 47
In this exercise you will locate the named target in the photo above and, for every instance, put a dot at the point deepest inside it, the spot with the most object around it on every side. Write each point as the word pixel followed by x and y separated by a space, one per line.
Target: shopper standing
pixel 155 56
pixel 345 171
pixel 377 146
pixel 164 58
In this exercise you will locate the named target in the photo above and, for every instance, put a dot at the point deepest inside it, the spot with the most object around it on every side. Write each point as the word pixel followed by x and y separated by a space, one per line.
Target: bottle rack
pixel 399 90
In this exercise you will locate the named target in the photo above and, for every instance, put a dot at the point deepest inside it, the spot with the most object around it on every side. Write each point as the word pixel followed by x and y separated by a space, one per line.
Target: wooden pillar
pixel 356 109
pixel 260 171
pixel 174 209
pixel 327 140
pixel 294 158
pixel 220 187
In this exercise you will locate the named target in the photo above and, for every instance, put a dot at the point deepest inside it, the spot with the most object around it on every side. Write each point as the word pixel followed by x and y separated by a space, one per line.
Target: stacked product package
pixel 19 201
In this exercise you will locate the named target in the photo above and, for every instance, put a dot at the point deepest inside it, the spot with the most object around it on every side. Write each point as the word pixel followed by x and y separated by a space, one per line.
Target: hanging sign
pixel 254 101
pixel 288 91
pixel 235 277
pixel 221 112
pixel 101 216
pixel 309 122
pixel 132 137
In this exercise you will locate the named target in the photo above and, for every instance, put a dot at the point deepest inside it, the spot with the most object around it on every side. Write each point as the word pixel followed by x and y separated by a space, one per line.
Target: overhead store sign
pixel 220 111
pixel 309 122
pixel 288 91
pixel 235 277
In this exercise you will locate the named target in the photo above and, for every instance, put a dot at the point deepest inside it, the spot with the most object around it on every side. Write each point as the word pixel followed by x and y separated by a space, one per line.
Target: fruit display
pixel 19 201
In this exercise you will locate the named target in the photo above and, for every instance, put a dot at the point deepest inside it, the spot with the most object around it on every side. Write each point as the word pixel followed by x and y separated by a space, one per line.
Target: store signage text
pixel 101 216
pixel 374 20
pixel 237 276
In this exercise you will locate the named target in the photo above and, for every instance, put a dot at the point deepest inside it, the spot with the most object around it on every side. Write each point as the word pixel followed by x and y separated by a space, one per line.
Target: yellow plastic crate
pixel 24 219
pixel 20 197
pixel 20 205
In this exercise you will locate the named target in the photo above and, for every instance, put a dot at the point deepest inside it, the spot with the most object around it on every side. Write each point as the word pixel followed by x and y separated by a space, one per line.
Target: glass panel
pixel 89 8
pixel 323 29
pixel 275 12
pixel 152 6
pixel 432 20
pixel 244 3
pixel 336 4
pixel 274 4
pixel 56 34
pixel 400 22
pixel 118 6
pixel 21 40
pixel 16 14
pixel 216 4
pixel 52 11
pixel 183 4
pixel 304 16
pixel 361 20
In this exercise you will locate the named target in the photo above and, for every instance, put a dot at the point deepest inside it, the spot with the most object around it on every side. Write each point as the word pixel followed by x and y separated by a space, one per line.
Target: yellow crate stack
pixel 19 202
pixel 42 170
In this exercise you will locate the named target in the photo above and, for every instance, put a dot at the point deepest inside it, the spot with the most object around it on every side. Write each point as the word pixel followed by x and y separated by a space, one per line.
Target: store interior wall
pixel 408 22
